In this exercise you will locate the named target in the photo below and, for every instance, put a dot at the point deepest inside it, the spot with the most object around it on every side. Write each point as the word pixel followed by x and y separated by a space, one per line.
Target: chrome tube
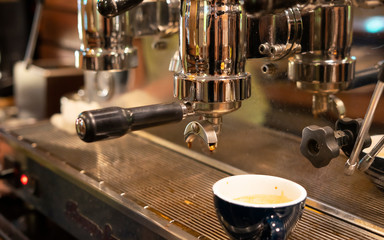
pixel 353 160
pixel 33 34
pixel 366 161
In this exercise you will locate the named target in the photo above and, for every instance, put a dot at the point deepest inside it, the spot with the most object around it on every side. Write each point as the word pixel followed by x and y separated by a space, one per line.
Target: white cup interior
pixel 233 187
pixel 375 140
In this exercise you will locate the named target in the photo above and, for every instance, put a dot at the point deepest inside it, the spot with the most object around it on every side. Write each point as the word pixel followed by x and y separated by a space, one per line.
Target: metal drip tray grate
pixel 172 185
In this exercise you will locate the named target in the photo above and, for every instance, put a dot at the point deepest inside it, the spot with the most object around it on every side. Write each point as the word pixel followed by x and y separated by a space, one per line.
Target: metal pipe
pixel 368 159
pixel 34 34
pixel 352 162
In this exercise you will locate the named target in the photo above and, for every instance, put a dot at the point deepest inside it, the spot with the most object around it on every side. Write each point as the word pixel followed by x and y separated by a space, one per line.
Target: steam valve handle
pixel 319 145
pixel 113 122
pixel 351 128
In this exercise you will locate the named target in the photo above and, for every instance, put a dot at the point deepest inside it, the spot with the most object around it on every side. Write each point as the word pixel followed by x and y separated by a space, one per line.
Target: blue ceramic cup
pixel 258 206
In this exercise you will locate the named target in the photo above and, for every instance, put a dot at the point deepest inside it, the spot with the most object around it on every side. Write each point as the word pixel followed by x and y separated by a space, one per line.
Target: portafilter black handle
pixel 113 122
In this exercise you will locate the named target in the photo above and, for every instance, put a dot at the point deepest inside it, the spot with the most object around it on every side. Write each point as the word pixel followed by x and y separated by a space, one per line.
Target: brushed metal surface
pixel 272 152
pixel 172 185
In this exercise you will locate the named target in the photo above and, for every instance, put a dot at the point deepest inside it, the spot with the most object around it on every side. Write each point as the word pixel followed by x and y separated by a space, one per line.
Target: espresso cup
pixel 258 206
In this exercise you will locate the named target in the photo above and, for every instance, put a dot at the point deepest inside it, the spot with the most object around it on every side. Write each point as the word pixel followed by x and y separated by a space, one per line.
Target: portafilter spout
pixel 207 130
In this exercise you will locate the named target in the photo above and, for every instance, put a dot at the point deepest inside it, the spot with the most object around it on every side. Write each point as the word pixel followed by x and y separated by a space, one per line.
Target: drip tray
pixel 165 190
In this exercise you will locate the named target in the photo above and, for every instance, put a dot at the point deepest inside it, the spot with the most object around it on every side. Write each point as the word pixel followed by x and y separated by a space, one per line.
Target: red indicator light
pixel 24 179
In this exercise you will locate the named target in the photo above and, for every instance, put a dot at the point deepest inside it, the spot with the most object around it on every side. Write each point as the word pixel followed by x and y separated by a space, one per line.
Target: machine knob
pixel 111 8
pixel 115 122
pixel 319 145
pixel 351 127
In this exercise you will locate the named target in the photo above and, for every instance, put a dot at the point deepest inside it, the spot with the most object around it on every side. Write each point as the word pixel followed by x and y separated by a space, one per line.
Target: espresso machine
pixel 128 172
pixel 210 80
pixel 107 53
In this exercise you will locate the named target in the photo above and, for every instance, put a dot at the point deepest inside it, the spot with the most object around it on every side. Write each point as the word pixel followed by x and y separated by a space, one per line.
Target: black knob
pixel 351 127
pixel 319 145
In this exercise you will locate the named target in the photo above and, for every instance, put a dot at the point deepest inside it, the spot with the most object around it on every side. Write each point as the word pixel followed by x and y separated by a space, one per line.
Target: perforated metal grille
pixel 175 186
